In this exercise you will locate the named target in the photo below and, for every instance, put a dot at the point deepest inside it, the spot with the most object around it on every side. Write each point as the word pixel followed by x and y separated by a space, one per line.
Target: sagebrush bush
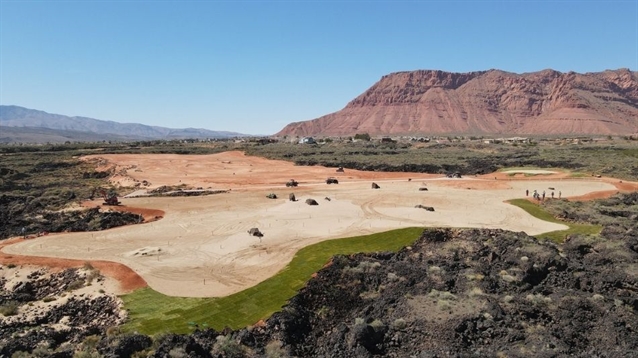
pixel 9 309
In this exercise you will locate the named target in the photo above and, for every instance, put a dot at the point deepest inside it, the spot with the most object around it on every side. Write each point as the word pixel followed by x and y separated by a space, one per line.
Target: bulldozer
pixel 110 197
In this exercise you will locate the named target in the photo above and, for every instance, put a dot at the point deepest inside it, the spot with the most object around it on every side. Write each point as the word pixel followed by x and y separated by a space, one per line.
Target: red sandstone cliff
pixel 487 102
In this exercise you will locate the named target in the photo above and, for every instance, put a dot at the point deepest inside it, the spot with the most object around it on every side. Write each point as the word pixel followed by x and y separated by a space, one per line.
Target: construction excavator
pixel 110 197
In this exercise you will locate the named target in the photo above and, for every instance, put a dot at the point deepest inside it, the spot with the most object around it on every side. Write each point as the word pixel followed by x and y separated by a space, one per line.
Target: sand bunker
pixel 201 247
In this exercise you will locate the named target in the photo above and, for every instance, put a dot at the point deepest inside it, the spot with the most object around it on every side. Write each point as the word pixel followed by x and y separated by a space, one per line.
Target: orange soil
pixel 148 214
pixel 128 279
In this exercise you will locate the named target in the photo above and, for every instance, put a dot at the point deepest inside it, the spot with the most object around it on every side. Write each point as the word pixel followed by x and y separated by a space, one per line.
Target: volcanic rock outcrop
pixel 487 102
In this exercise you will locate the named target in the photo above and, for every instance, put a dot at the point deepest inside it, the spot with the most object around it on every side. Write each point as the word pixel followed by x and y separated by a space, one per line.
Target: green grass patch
pixel 578 175
pixel 633 152
pixel 508 169
pixel 556 236
pixel 536 174
pixel 151 312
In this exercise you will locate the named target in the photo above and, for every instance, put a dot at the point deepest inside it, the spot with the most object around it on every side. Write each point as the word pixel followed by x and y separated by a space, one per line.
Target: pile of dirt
pixel 166 190
pixel 192 193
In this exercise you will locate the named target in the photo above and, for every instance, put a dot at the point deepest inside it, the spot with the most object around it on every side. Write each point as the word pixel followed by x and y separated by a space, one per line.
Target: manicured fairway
pixel 151 312
pixel 556 236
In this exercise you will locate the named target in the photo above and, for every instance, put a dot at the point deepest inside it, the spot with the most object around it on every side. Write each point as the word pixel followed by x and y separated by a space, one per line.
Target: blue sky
pixel 254 66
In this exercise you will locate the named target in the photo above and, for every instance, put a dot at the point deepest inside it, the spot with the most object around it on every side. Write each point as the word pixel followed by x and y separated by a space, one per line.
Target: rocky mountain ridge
pixel 487 102
pixel 73 127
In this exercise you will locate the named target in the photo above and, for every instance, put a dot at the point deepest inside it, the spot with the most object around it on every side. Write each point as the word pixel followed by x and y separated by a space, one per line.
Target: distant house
pixel 307 140
pixel 511 140
pixel 517 140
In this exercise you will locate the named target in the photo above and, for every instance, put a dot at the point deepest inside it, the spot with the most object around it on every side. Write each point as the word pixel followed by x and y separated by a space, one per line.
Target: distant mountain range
pixel 29 125
pixel 547 102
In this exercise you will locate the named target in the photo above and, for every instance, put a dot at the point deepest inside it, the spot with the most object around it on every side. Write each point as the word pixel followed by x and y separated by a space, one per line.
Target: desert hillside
pixel 487 102
pixel 19 124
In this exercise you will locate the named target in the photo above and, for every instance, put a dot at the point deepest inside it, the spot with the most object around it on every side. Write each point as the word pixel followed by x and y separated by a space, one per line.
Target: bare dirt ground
pixel 201 247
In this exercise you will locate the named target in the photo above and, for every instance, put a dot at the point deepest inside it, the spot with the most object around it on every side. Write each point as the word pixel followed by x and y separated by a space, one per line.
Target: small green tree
pixel 362 136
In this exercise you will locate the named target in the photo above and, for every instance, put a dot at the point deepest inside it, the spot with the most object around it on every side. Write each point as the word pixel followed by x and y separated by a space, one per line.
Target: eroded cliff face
pixel 487 102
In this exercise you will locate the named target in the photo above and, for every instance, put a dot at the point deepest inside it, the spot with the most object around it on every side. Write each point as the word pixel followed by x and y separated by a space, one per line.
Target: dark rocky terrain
pixel 49 313
pixel 487 102
pixel 17 214
pixel 467 293
pixel 453 293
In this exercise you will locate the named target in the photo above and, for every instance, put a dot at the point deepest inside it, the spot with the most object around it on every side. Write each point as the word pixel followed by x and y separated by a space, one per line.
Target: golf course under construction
pixel 201 246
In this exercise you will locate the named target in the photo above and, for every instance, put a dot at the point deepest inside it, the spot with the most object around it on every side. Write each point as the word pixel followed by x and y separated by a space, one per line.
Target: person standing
pixel 543 195
pixel 559 194
pixel 526 192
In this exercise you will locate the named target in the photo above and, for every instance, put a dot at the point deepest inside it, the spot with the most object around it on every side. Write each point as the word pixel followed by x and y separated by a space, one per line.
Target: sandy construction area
pixel 201 247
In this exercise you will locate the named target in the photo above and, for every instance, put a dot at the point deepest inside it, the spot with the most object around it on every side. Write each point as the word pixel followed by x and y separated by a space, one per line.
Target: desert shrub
pixel 142 354
pixel 368 266
pixel 392 276
pixel 9 309
pixel 377 324
pixel 92 275
pixel 87 348
pixel 86 354
pixel 399 323
pixel 178 352
pixel 369 295
pixel 75 285
pixel 441 295
pixel 275 349
pixel 323 312
pixel 538 299
pixel 227 347
pixel 113 331
pixel 41 351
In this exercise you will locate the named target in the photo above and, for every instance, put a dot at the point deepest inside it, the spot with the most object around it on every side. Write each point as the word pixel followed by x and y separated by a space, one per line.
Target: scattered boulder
pixel 423 189
pixel 272 196
pixel 375 186
pixel 292 183
pixel 332 180
pixel 255 232
pixel 340 170
pixel 327 198
pixel 311 202
pixel 428 208
pixel 292 197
